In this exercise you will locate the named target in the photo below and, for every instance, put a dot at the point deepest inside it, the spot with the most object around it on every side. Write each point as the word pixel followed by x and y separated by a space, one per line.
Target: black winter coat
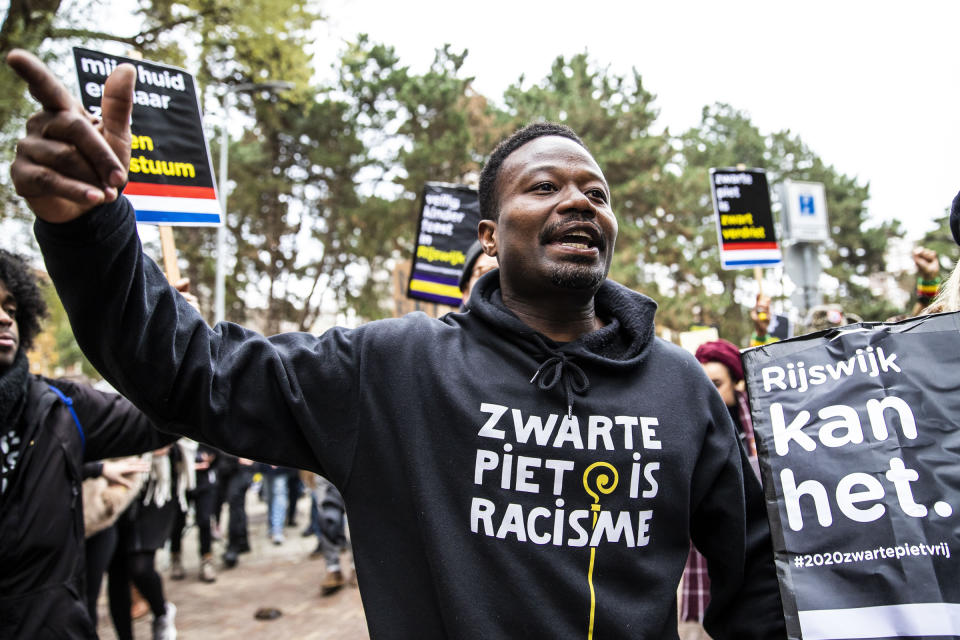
pixel 41 513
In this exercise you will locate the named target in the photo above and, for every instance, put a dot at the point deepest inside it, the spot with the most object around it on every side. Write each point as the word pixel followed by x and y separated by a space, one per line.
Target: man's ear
pixel 488 237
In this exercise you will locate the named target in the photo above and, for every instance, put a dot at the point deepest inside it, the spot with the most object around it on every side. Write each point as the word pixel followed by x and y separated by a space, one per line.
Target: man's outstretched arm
pixel 286 400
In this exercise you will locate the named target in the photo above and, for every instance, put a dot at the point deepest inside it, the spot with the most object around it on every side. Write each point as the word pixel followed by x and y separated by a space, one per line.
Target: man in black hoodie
pixel 553 495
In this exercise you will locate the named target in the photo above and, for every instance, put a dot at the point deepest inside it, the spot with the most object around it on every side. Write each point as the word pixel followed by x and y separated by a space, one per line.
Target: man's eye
pixel 598 194
pixel 545 186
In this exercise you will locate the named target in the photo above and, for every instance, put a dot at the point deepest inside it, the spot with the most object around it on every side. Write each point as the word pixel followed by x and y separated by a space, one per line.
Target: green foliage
pixel 56 350
pixel 940 239
pixel 27 24
pixel 726 137
pixel 305 234
pixel 418 128
pixel 295 211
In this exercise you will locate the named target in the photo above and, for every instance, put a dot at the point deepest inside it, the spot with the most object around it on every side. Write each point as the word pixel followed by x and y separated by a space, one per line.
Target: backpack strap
pixel 67 400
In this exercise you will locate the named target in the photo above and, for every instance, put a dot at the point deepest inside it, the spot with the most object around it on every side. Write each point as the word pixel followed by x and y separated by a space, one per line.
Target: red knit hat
pixel 725 353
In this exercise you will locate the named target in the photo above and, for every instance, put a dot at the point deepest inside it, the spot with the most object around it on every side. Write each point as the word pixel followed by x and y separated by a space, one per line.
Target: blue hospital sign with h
pixel 804 213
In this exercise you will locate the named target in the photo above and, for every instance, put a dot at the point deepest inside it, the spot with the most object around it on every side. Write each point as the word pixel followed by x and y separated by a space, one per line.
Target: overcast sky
pixel 872 87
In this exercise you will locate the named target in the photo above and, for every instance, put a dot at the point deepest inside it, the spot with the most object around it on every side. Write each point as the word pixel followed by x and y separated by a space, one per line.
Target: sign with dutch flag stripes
pixel 170 173
pixel 741 200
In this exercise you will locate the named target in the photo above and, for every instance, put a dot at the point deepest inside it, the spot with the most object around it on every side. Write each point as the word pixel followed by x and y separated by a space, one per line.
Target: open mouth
pixel 579 238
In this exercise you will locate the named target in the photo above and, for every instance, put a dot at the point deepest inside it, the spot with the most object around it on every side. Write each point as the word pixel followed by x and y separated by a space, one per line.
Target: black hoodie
pixel 498 484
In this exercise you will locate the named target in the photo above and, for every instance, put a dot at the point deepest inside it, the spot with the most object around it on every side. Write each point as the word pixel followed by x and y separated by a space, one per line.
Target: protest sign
pixel 741 202
pixel 858 433
pixel 449 215
pixel 691 340
pixel 170 174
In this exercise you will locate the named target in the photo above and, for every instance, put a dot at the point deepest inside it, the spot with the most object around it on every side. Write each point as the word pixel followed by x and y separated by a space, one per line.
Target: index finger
pixel 44 86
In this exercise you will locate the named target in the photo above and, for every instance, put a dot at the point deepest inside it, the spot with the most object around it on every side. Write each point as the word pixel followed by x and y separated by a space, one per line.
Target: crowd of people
pixel 457 467
pixel 73 495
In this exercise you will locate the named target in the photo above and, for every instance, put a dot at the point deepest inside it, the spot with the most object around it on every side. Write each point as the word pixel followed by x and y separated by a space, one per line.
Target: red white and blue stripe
pixel 741 255
pixel 174 204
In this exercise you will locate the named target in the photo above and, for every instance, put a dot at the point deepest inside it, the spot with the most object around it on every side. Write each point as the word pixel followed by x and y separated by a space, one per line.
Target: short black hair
pixel 489 208
pixel 18 278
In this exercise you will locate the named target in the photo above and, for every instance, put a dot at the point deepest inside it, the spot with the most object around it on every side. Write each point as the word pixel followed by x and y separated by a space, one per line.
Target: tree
pixel 726 137
pixel 940 239
pixel 418 128
pixel 55 350
pixel 244 43
pixel 35 25
pixel 305 234
pixel 295 214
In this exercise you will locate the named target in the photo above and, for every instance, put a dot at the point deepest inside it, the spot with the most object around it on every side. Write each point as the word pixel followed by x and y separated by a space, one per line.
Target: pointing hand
pixel 69 162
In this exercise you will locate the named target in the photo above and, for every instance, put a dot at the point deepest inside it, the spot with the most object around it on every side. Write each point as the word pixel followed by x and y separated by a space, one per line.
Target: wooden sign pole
pixel 169 249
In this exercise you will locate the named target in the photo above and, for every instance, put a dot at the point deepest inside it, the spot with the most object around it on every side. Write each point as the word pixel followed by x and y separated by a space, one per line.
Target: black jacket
pixel 41 513
pixel 483 503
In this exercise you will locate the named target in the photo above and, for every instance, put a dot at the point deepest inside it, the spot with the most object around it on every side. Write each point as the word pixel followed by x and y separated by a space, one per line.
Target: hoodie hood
pixel 622 343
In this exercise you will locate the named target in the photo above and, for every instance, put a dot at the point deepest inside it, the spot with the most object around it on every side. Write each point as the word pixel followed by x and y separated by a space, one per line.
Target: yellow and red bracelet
pixel 927 290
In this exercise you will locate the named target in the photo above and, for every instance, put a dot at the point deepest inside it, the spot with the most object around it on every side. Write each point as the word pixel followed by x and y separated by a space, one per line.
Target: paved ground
pixel 269 576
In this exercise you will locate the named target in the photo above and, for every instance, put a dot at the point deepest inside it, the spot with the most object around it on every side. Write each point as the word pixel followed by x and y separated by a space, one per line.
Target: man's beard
pixel 577 276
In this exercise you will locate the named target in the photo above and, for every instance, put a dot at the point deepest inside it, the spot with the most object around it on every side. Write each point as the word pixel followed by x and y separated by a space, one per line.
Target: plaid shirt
pixel 696 588
pixel 695 594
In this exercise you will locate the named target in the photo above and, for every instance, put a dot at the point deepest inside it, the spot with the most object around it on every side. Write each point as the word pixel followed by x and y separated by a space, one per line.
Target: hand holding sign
pixel 67 164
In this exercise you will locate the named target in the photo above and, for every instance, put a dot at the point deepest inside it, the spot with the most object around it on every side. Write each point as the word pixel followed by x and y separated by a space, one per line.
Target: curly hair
pixel 489 206
pixel 22 283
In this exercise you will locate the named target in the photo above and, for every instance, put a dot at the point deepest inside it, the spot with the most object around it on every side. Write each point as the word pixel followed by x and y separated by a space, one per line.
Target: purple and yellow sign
pixel 449 215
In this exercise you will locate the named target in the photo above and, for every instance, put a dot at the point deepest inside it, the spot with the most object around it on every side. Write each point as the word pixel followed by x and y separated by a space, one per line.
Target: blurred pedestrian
pixel 331 534
pixel 295 489
pixel 276 495
pixel 236 474
pixel 476 264
pixel 948 298
pixel 144 528
pixel 201 497
pixel 760 315
pixel 109 486
pixel 828 316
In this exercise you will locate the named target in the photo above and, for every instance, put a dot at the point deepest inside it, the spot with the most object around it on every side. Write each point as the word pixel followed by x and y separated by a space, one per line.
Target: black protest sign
pixel 858 433
pixel 171 178
pixel 741 201
pixel 449 215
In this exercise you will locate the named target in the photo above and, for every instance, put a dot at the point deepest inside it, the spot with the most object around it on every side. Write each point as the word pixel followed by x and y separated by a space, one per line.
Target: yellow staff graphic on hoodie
pixel 604 485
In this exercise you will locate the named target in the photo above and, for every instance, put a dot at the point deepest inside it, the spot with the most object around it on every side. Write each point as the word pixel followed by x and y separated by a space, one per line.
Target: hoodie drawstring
pixel 559 367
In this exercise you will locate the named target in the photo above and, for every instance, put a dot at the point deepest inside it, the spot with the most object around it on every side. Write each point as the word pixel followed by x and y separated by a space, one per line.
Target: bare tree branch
pixel 87 34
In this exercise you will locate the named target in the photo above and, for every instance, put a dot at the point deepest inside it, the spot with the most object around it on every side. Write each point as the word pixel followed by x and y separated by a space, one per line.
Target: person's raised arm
pixel 288 399
pixel 928 278
pixel 69 162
